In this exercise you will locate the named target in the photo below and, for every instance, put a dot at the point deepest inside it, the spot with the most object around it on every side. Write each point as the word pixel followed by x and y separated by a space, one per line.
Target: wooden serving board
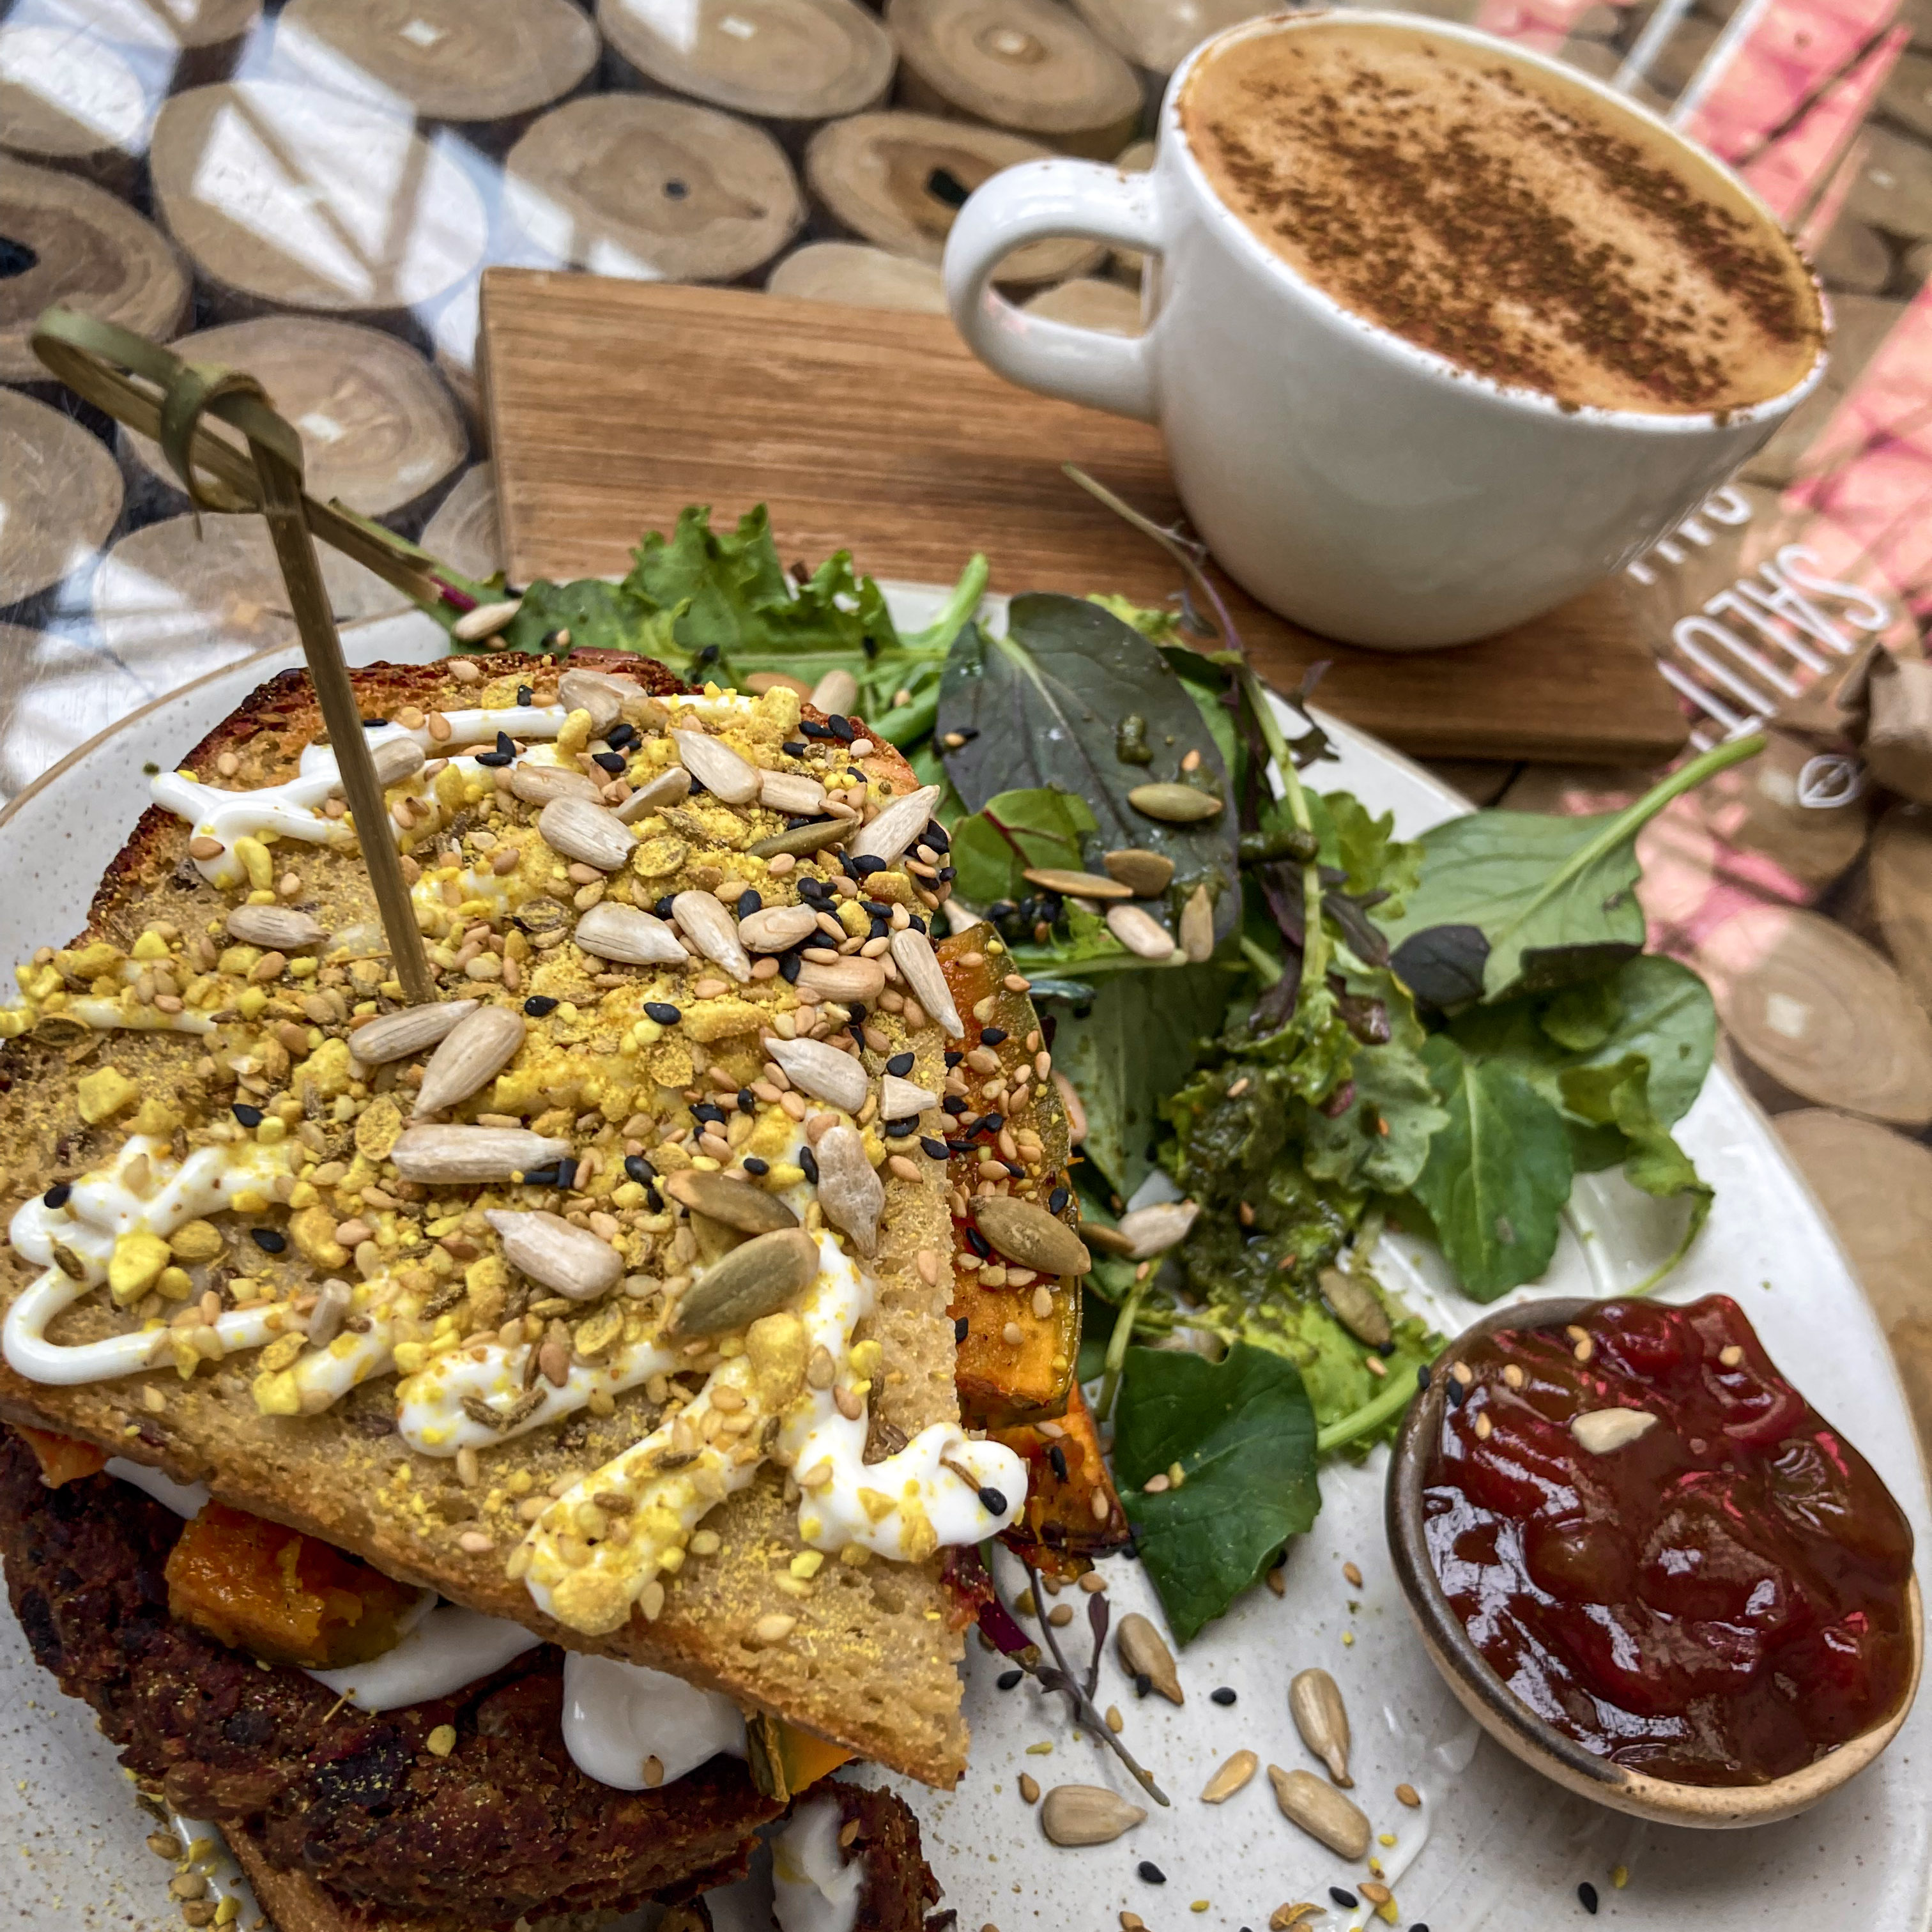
pixel 613 404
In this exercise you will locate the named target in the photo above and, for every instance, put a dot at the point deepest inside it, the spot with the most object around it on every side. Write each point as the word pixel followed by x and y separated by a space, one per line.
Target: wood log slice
pixel 69 101
pixel 651 188
pixel 1025 65
pixel 63 240
pixel 1855 259
pixel 60 496
pixel 795 63
pixel 378 428
pixel 1907 98
pixel 1892 189
pixel 1761 806
pixel 466 532
pixel 1110 308
pixel 1898 873
pixel 1876 1188
pixel 1820 1015
pixel 292 197
pixel 59 691
pixel 1155 34
pixel 898 181
pixel 172 605
pixel 481 65
pixel 858 276
pixel 173 44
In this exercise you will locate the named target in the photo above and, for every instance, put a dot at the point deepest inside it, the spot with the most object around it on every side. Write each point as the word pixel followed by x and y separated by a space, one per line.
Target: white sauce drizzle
pixel 446 1650
pixel 813 1887
pixel 616 1714
pixel 187 1500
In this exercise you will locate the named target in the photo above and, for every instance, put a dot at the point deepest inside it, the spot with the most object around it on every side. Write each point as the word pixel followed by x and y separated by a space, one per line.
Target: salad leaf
pixel 1037 827
pixel 1242 1432
pixel 1498 1173
pixel 1365 850
pixel 1618 1097
pixel 1380 1140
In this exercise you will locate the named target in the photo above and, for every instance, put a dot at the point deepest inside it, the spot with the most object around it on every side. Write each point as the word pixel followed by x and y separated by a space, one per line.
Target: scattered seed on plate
pixel 1223 1695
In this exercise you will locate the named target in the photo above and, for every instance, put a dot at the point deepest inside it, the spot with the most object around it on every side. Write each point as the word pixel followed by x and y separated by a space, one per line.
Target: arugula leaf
pixel 1618 1096
pixel 1036 827
pixel 1042 706
pixel 1242 1432
pixel 1498 1173
pixel 1365 850
pixel 599 616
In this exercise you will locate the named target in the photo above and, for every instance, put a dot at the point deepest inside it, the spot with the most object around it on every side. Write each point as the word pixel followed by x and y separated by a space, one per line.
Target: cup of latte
pixel 1439 332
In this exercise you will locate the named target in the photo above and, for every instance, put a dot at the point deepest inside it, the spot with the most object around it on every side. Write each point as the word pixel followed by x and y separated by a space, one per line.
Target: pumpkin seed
pixel 575 828
pixel 1314 1702
pixel 545 920
pixel 717 767
pixel 791 793
pixel 756 1278
pixel 849 981
pixel 590 691
pixel 900 1099
pixel 851 1194
pixel 1197 925
pixel 737 1204
pixel 633 938
pixel 823 1071
pixel 279 928
pixel 466 1153
pixel 800 839
pixel 538 785
pixel 473 1052
pixel 1086 1814
pixel 396 1036
pixel 1357 1307
pixel 897 828
pixel 1602 1431
pixel 1077 885
pixel 776 928
pixel 484 621
pixel 836 693
pixel 667 788
pixel 1152 1231
pixel 1173 804
pixel 1231 1777
pixel 1321 1811
pixel 1146 874
pixel 594 1335
pixel 913 953
pixel 1030 1235
pixel 1140 932
pixel 549 1249
pixel 1144 1653
pixel 713 931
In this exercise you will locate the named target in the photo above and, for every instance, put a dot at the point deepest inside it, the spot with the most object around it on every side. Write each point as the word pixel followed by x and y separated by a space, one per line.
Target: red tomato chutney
pixel 1719 1599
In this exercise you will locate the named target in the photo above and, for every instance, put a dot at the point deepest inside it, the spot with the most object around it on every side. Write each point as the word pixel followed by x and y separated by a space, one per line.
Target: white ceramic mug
pixel 1368 488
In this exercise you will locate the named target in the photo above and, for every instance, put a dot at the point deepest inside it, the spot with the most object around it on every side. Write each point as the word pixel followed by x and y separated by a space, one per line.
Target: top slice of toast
pixel 869 1653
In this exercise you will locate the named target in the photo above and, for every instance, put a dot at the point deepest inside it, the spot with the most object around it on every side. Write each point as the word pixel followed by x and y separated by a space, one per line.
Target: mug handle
pixel 1028 203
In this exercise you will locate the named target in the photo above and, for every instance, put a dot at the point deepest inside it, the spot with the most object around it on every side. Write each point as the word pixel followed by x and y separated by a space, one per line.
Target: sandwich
pixel 491 1456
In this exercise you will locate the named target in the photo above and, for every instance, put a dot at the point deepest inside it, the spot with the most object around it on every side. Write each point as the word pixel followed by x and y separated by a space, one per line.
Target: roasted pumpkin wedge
pixel 62 1459
pixel 1073 1511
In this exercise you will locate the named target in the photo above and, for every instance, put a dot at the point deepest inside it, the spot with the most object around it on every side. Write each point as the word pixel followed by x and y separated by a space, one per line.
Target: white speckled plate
pixel 1494 1846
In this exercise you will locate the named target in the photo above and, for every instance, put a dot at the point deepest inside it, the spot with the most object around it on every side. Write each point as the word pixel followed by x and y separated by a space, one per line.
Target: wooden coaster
pixel 614 404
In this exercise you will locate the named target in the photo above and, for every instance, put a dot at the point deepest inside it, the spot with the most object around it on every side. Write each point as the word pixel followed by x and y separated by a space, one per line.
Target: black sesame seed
pixel 953 1105
pixel 935 835
pixel 637 1168
pixel 1056 1201
pixel 961 1327
pixel 811 731
pixel 978 1242
pixel 1586 1896
pixel 662 906
pixel 249 1117
pixel 1151 1872
pixel 897 1130
pixel 993 1501
pixel 1458 1395
pixel 790 967
pixel 540 1177
pixel 1009 1680
pixel 56 1196
pixel 793 747
pixel 809 1161
pixel 840 728
pixel 612 762
pixel 496 761
pixel 619 735
pixel 953 1057
pixel 1418 1927
pixel 1346 1900
pixel 1422 1376
pixel 506 744
pixel 756 1168
pixel 540 1006
pixel 747 1100
pixel 1385 1349
pixel 748 902
pixel 866 866
pixel 705 1110
pixel 662 1011
pixel 901 1064
pixel 371 723
pixel 992 1123
pixel 947 873
pixel 993 1036
pixel 933 1148
pixel 1143 1683
pixel 270 1240
pixel 526 696
pixel 1056 1457
pixel 1223 1695
pixel 914 922
pixel 566 1173
pixel 653 1200
pixel 881 926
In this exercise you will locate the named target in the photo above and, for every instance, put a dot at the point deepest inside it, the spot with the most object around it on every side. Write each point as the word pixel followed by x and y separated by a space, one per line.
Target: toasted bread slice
pixel 867 1651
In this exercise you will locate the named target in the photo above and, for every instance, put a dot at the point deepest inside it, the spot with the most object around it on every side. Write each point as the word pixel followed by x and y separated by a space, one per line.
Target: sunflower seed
pixel 900 1099
pixel 836 693
pixel 851 1194
pixel 1288 1918
pixel 549 1249
pixel 913 953
pixel 1144 1653
pixel 473 1052
pixel 1076 885
pixel 1140 932
pixel 484 621
pixel 1230 1778
pixel 1601 1431
pixel 538 785
pixel 791 793
pixel 1321 1810
pixel 1030 1235
pixel 1146 874
pixel 1086 1814
pixel 713 931
pixel 1173 804
pixel 280 929
pixel 1153 1231
pixel 1314 1702
pixel 667 788
pixel 575 828
pixel 891 834
pixel 333 1299
pixel 846 980
pixel 776 928
pixel 1355 1305
pixel 590 691
pixel 717 767
pixel 1197 925
pixel 755 1279
pixel 395 759
pixel 633 938
pixel 823 1071
pixel 466 1153
pixel 800 839
pixel 737 1204
pixel 396 1035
